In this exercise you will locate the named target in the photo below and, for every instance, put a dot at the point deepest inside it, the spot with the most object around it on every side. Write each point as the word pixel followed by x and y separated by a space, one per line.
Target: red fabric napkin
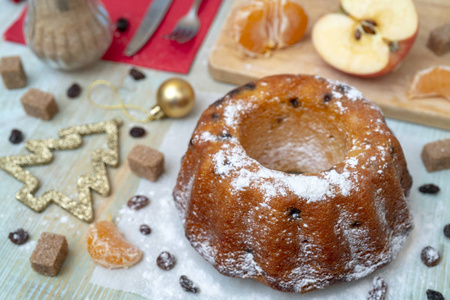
pixel 159 53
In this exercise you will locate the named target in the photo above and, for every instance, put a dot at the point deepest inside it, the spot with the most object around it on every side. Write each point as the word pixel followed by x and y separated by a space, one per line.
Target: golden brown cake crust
pixel 295 181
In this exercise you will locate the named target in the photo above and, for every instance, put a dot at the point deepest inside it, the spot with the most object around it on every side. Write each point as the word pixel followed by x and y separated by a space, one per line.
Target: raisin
pixel 138 202
pixel 434 295
pixel 294 102
pixel 429 189
pixel 327 97
pixel 137 132
pixel 16 136
pixel 187 285
pixel 122 24
pixel 343 88
pixel 215 116
pixel 19 236
pixel 447 230
pixel 74 90
pixel 356 224
pixel 166 261
pixel 225 136
pixel 145 229
pixel 378 291
pixel 295 213
pixel 430 256
pixel 136 74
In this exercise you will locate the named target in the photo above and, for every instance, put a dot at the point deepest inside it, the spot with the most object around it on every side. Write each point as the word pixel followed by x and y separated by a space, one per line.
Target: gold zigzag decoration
pixel 70 138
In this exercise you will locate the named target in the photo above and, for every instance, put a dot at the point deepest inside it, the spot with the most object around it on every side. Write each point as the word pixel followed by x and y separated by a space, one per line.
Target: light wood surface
pixel 228 64
pixel 17 280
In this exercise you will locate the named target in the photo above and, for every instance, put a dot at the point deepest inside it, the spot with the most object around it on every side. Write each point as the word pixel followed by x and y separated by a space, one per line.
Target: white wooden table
pixel 17 280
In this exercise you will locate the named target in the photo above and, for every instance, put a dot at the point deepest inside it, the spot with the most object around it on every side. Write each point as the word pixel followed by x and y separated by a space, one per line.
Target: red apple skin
pixel 395 58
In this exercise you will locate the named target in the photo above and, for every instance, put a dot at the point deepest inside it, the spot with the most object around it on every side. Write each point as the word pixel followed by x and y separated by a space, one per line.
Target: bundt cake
pixel 295 181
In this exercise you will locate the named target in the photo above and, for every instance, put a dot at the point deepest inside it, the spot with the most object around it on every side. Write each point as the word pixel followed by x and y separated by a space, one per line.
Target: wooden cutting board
pixel 227 64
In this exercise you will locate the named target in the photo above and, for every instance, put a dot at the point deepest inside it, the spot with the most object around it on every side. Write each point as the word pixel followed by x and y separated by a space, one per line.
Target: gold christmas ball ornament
pixel 175 98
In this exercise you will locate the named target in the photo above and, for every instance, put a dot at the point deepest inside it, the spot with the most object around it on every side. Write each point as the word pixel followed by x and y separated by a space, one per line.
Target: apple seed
pixel 368 28
pixel 371 22
pixel 357 34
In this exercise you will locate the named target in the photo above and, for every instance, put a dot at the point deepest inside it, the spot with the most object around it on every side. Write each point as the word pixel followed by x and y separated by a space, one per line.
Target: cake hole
pixel 295 213
pixel 307 140
pixel 355 224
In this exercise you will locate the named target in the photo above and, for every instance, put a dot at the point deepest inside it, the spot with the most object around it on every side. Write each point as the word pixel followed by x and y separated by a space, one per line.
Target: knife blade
pixel 153 17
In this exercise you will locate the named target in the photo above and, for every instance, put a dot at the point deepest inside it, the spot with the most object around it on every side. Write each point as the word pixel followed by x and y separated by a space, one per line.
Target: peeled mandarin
pixel 108 248
pixel 260 26
pixel 432 82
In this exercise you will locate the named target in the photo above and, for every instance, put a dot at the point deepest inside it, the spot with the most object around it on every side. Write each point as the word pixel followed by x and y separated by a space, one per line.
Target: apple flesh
pixel 370 38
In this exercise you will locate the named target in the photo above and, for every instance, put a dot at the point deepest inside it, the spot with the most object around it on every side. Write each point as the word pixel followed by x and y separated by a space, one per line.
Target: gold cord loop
pixel 124 107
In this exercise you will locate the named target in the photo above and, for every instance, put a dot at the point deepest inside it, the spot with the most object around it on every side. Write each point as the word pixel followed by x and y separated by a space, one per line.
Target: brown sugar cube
pixel 146 162
pixel 439 40
pixel 12 72
pixel 50 253
pixel 436 155
pixel 39 104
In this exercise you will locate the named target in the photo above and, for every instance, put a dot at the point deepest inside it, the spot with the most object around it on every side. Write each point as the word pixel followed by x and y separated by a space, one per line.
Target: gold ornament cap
pixel 175 98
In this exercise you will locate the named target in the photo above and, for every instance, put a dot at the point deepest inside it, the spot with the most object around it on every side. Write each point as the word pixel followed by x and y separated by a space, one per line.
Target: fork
pixel 187 27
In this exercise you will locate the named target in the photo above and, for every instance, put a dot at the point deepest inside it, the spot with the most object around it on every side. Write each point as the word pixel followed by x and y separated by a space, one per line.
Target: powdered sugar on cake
pixel 231 162
pixel 366 161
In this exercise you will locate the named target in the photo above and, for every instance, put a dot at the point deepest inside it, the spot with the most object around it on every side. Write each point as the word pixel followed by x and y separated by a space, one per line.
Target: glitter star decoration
pixel 41 154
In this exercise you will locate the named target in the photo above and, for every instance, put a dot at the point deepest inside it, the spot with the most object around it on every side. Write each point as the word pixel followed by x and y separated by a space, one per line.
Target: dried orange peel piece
pixel 431 82
pixel 108 248
pixel 260 26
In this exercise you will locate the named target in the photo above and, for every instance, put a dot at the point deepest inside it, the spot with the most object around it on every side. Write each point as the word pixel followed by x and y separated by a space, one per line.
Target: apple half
pixel 369 38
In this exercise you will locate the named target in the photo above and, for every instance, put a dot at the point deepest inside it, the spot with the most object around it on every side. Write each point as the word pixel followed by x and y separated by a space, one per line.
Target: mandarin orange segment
pixel 260 26
pixel 250 29
pixel 432 82
pixel 293 23
pixel 108 248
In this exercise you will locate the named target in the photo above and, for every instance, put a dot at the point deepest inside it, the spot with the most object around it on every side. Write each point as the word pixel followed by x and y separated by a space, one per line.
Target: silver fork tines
pixel 187 27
